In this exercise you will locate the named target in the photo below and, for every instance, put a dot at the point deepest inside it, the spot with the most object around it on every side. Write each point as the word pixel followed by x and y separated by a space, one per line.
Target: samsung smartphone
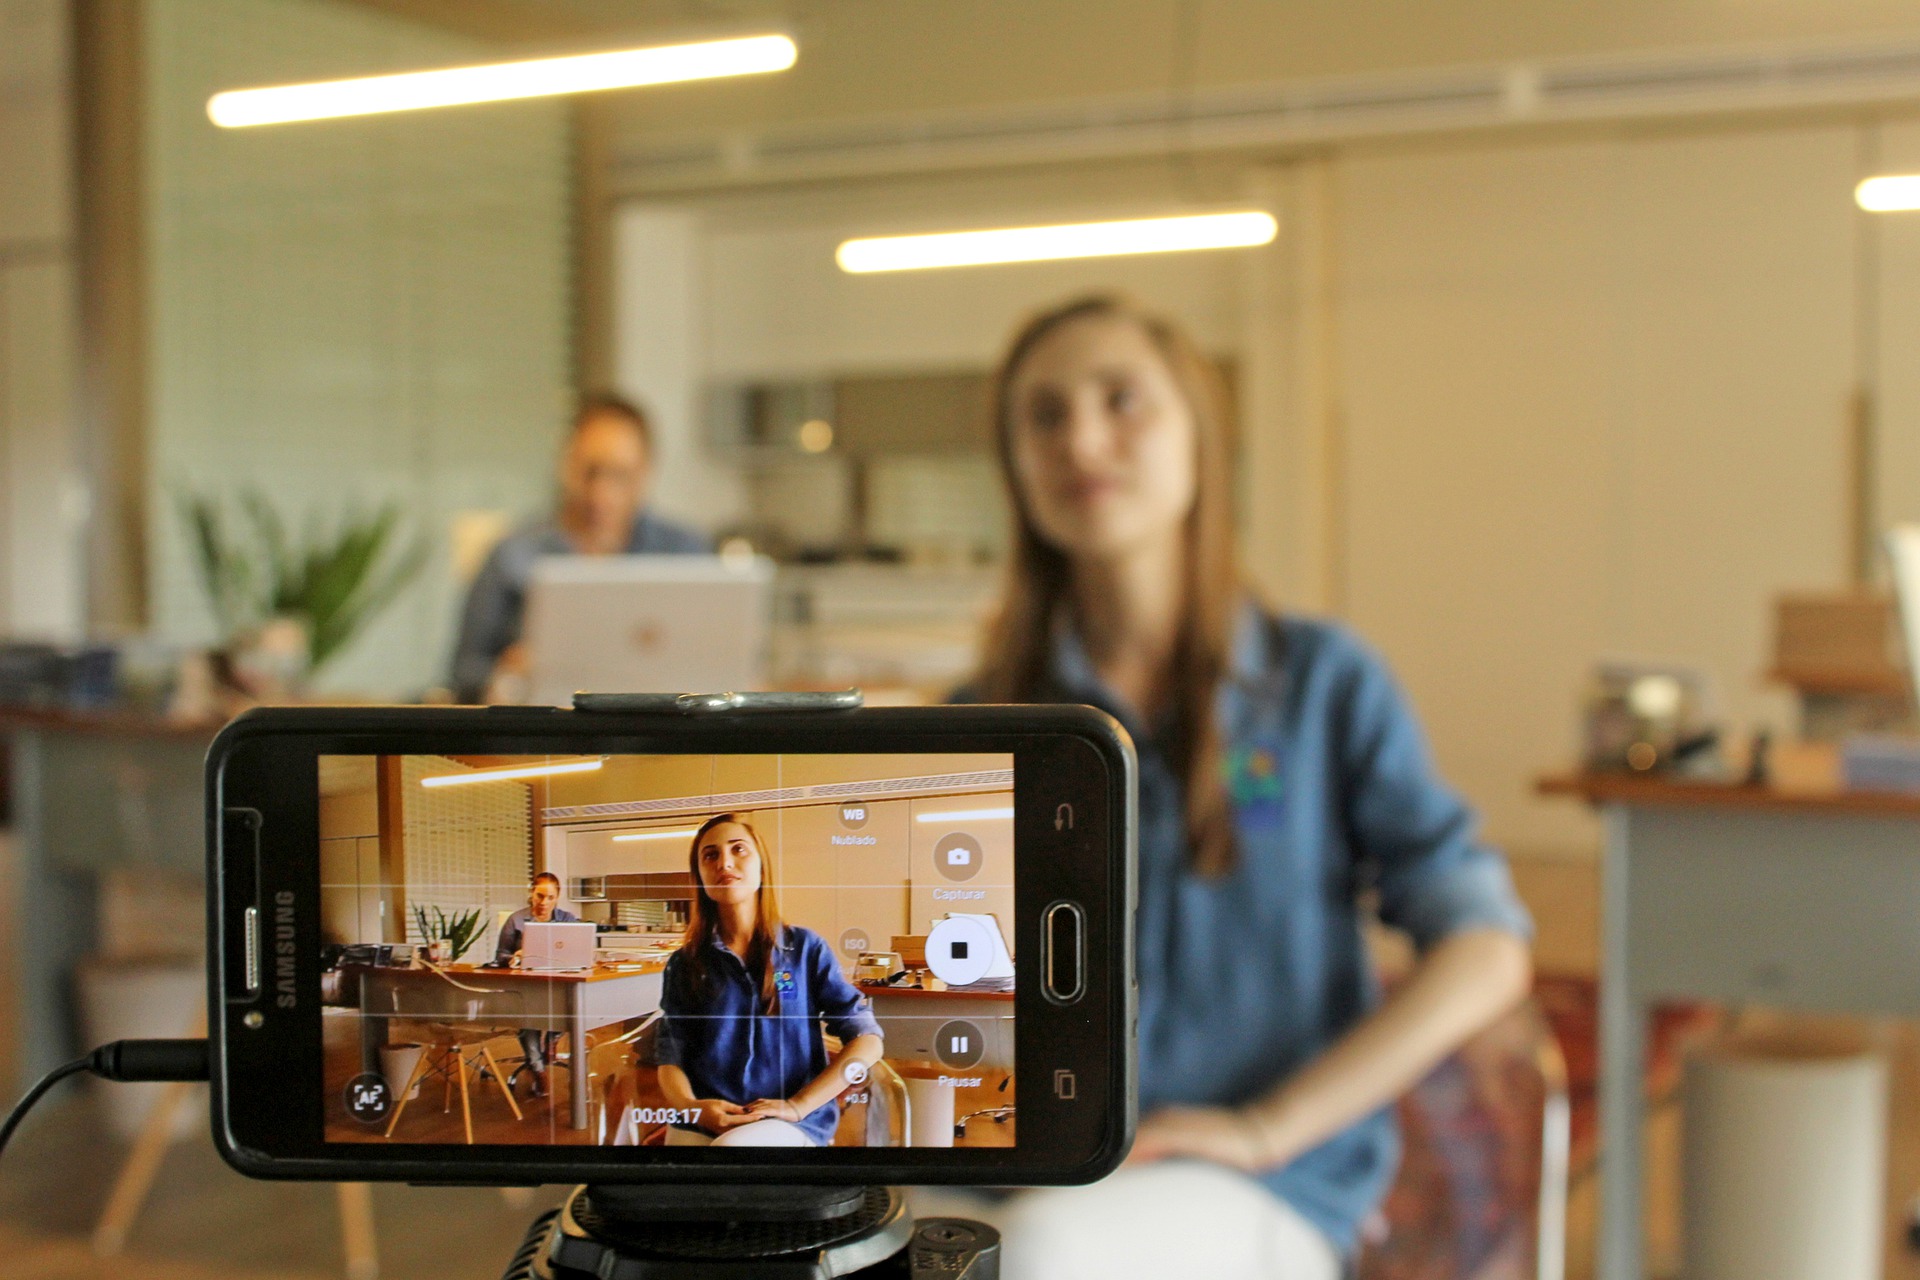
pixel 404 984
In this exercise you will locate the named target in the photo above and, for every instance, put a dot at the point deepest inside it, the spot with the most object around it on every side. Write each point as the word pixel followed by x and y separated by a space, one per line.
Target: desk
pixel 570 1003
pixel 1737 895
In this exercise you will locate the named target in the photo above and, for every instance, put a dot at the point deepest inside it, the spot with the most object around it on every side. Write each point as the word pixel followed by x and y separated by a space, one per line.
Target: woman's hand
pixel 1219 1135
pixel 775 1109
pixel 717 1115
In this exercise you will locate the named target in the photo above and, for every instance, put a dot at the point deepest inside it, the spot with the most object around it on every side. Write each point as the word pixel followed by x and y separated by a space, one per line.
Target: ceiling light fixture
pixel 501 81
pixel 1889 193
pixel 677 832
pixel 515 771
pixel 962 815
pixel 1052 243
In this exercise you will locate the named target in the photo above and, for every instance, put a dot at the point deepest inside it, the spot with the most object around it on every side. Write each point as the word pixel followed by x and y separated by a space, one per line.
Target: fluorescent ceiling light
pixel 514 771
pixel 1891 193
pixel 1068 240
pixel 500 81
pixel 678 833
pixel 962 815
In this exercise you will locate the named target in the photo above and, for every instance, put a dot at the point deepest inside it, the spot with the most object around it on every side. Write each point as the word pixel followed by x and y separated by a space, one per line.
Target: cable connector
pixel 150 1060
pixel 123 1060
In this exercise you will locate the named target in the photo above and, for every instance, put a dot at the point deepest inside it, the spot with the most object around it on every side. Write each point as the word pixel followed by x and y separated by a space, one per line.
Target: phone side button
pixel 1062 936
pixel 250 936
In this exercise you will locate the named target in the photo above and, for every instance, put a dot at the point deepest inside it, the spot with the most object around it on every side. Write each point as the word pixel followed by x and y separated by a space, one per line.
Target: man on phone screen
pixel 543 905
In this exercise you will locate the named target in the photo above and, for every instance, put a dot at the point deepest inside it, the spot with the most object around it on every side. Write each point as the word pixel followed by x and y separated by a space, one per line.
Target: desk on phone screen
pixel 909 1017
pixel 1737 895
pixel 571 1003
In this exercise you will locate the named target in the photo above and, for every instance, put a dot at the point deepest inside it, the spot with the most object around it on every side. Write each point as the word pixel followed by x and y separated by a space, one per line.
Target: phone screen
pixel 676 950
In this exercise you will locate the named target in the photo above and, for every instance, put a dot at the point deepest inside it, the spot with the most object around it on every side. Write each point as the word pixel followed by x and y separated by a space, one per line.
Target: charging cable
pixel 123 1060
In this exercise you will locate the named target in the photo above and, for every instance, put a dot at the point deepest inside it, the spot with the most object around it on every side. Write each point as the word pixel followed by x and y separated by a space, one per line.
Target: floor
pixel 205 1222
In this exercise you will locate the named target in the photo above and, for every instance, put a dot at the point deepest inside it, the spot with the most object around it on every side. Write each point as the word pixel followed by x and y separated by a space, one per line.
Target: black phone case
pixel 397 730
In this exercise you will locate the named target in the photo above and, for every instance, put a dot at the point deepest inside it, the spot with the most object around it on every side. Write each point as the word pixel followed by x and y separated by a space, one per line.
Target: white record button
pixel 959 951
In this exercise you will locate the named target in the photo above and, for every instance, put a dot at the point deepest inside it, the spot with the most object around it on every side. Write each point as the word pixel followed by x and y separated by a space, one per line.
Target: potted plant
pixel 288 605
pixel 447 937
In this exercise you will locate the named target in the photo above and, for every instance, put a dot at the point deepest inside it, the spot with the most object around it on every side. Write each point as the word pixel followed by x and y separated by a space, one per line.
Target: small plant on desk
pixel 457 933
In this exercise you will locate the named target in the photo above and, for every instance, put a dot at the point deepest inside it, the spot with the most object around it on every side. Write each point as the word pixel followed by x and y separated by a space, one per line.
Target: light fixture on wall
pixel 1889 193
pixel 676 833
pixel 965 815
pixel 1060 241
pixel 501 81
pixel 512 771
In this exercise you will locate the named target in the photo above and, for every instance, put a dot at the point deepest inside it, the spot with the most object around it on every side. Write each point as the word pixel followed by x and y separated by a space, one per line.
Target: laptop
pixel 554 944
pixel 646 624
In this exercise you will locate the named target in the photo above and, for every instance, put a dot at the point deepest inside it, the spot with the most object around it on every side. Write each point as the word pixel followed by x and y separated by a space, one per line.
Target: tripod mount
pixel 750 1233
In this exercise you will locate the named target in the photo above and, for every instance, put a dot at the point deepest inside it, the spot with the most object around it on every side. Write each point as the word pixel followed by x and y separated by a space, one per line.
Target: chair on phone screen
pixel 458 1025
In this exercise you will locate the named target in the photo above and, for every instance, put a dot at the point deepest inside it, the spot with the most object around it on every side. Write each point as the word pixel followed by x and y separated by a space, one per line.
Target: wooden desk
pixel 1737 895
pixel 89 793
pixel 569 1003
pixel 910 1018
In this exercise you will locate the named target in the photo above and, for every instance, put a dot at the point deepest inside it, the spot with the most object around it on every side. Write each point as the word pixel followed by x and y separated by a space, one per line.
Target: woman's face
pixel 729 864
pixel 1102 440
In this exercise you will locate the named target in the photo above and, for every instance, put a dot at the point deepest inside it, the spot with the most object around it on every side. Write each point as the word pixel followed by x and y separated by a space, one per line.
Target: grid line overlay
pixel 465 847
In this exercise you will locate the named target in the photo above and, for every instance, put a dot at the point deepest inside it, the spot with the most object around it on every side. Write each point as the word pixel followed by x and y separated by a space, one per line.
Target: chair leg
pixel 500 1080
pixel 419 1069
pixel 356 1231
pixel 448 1057
pixel 466 1107
pixel 136 1175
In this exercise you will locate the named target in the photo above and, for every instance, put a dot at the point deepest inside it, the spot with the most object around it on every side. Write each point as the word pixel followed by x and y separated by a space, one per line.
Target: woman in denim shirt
pixel 745 999
pixel 1285 791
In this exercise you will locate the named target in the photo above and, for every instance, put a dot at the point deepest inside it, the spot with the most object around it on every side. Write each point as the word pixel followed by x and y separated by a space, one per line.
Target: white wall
pixel 660 361
pixel 1515 405
pixel 42 584
pixel 348 312
pixel 1594 401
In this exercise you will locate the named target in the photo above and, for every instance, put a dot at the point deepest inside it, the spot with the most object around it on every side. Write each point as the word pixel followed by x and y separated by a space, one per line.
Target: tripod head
pixel 750 1233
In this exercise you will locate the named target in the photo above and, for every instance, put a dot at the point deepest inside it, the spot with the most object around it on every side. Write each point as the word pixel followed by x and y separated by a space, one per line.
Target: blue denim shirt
pixel 1246 977
pixel 497 600
pixel 730 1049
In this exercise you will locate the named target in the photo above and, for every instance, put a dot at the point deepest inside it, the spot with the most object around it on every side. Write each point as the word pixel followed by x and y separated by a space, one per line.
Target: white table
pixel 1737 895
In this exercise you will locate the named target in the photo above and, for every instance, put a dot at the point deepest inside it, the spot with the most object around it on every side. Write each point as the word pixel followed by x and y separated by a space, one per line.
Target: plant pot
pixel 397 1062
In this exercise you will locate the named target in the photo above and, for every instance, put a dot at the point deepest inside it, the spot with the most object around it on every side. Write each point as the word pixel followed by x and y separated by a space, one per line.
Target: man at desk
pixel 604 472
pixel 543 898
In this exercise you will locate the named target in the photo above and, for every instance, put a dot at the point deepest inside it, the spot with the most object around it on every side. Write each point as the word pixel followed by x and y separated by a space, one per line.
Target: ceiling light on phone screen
pixel 964 815
pixel 515 771
pixel 500 81
pixel 1052 243
pixel 677 833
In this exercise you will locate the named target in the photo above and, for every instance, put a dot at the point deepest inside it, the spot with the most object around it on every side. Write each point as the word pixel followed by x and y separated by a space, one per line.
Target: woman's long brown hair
pixel 1039 578
pixel 705 918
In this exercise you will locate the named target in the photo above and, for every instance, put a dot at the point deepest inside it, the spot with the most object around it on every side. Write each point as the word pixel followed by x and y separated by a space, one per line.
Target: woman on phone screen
pixel 745 998
pixel 1285 789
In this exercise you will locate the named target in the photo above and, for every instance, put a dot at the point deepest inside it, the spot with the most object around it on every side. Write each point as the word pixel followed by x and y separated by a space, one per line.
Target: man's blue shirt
pixel 497 600
pixel 731 1049
pixel 1248 976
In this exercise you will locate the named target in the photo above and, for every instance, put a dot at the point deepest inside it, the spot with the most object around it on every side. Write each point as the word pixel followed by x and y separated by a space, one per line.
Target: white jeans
pixel 1174 1218
pixel 761 1133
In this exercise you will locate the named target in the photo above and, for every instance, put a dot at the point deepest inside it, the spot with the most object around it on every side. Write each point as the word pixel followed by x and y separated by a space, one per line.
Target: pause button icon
pixel 959 1045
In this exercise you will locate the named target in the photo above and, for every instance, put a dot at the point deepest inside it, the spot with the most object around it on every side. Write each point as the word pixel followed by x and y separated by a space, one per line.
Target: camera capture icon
pixel 958 856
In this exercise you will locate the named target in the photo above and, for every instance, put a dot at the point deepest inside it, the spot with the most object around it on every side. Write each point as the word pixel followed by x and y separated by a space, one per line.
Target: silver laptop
pixel 554 944
pixel 646 624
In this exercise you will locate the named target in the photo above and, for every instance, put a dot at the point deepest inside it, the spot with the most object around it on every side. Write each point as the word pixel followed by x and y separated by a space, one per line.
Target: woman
pixel 1283 783
pixel 745 998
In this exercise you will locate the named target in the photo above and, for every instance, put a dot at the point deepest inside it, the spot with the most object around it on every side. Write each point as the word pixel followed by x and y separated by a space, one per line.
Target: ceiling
pixel 999 65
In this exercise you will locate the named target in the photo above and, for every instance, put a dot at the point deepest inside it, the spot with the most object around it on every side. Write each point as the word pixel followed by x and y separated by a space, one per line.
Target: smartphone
pixel 522 945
